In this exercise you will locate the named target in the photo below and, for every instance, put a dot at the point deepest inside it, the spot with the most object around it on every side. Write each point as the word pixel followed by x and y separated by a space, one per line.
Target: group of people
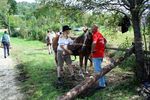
pixel 97 53
pixel 63 53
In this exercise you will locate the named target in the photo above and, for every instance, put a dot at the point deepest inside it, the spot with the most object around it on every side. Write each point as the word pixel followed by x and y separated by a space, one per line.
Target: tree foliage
pixel 12 4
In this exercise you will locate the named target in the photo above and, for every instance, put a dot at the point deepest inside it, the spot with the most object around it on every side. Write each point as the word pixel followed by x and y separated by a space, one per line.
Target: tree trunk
pixel 139 54
pixel 91 80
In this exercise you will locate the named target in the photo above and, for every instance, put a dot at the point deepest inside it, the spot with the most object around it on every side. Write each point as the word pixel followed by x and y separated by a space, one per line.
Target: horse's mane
pixel 80 37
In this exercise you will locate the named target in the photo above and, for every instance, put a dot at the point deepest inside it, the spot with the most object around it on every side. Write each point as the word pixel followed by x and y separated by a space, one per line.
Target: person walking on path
pixel 63 54
pixel 97 52
pixel 5 40
pixel 49 38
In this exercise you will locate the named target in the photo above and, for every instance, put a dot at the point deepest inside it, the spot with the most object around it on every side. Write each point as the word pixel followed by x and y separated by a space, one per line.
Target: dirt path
pixel 9 88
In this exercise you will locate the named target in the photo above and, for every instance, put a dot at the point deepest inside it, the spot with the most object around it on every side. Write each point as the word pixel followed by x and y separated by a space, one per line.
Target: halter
pixel 85 35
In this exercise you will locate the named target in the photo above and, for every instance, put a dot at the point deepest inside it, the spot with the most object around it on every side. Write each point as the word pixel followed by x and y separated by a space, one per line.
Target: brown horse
pixel 55 45
pixel 80 47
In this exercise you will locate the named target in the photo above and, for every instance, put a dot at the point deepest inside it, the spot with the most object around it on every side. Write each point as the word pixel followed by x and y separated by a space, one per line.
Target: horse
pixel 81 47
pixel 55 45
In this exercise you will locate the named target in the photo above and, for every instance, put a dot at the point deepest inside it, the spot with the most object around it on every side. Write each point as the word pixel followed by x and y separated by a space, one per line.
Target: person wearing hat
pixel 63 54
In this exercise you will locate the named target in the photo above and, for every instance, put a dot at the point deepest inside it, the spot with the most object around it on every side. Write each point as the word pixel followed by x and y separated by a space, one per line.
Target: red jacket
pixel 100 42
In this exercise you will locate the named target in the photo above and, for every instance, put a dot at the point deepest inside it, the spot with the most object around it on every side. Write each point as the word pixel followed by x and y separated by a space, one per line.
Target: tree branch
pixel 132 3
pixel 144 8
pixel 126 3
pixel 118 10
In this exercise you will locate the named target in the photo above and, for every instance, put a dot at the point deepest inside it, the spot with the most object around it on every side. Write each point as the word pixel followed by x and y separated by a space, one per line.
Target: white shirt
pixel 63 41
pixel 50 37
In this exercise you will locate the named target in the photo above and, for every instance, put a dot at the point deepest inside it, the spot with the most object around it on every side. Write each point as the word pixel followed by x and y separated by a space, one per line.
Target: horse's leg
pixel 81 64
pixel 85 63
pixel 56 58
pixel 91 63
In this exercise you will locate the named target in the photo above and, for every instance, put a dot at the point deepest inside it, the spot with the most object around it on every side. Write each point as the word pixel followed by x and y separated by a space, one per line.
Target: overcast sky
pixel 25 0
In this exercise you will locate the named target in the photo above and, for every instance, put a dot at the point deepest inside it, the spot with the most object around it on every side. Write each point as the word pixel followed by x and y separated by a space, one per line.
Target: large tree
pixel 7 7
pixel 3 8
pixel 12 4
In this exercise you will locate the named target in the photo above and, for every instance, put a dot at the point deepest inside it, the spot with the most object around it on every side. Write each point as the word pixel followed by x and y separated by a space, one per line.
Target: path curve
pixel 9 86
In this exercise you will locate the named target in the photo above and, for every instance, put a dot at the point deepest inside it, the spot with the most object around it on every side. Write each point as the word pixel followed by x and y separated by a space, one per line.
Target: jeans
pixel 6 49
pixel 97 68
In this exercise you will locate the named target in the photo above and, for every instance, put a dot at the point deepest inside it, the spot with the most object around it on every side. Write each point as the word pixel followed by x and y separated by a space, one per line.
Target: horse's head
pixel 87 40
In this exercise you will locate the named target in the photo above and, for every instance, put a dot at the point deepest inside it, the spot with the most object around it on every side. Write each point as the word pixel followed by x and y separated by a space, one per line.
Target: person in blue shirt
pixel 5 40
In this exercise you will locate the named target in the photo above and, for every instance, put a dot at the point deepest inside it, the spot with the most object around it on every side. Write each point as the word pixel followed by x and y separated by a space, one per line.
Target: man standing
pixel 6 43
pixel 98 48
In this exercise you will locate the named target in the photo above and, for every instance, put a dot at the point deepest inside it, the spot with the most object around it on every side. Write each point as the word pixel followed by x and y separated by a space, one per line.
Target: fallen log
pixel 87 83
pixel 121 49
pixel 118 49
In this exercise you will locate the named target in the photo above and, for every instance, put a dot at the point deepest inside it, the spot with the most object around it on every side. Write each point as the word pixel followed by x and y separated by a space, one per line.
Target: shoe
pixel 4 56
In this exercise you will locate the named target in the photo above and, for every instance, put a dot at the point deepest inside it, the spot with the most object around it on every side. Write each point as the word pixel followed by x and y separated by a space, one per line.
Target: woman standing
pixel 63 54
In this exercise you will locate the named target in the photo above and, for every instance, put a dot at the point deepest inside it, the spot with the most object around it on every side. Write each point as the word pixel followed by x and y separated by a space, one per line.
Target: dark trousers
pixel 6 49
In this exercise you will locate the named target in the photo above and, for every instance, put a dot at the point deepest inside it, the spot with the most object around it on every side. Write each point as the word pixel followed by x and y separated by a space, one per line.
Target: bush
pixel 15 34
pixel 23 32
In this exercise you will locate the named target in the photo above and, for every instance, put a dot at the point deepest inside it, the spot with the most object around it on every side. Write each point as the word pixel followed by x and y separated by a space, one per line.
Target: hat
pixel 66 27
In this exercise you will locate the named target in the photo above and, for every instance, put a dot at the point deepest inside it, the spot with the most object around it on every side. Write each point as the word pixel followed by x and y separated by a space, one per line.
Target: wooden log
pixel 92 79
pixel 120 49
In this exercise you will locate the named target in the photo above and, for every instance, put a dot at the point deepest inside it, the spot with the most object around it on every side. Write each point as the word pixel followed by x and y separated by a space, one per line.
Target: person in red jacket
pixel 97 52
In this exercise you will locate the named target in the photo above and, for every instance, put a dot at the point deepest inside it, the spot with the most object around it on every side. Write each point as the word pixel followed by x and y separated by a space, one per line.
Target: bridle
pixel 85 39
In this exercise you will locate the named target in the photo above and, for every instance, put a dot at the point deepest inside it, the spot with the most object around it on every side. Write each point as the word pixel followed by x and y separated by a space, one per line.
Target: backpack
pixel 5 38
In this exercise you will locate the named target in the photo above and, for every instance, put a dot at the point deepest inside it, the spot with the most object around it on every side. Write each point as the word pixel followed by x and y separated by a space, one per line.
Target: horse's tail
pixel 74 58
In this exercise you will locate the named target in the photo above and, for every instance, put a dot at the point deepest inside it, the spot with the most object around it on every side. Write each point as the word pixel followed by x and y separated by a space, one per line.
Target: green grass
pixel 40 69
pixel 39 66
